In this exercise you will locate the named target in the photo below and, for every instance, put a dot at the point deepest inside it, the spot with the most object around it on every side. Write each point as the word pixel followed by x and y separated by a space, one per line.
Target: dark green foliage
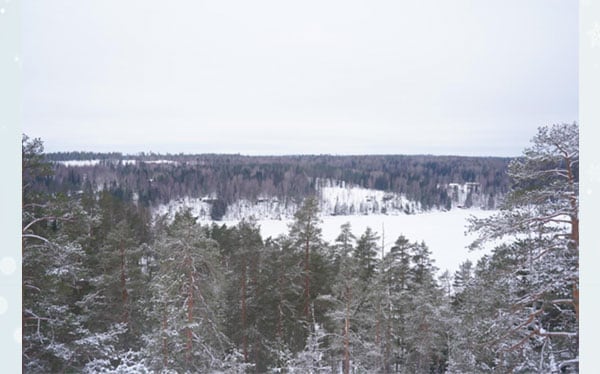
pixel 366 252
pixel 61 297
pixel 289 178
pixel 108 288
pixel 526 295
pixel 218 209
pixel 186 300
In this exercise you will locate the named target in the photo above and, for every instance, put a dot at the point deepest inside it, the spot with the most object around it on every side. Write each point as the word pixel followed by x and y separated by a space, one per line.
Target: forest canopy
pixel 158 179
pixel 106 288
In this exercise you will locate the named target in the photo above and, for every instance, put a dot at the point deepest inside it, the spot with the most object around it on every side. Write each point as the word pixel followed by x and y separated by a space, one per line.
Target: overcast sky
pixel 287 77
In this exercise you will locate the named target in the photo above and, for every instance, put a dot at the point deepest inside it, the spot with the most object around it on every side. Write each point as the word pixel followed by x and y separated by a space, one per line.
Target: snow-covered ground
pixel 160 162
pixel 337 198
pixel 443 232
pixel 79 163
pixel 389 214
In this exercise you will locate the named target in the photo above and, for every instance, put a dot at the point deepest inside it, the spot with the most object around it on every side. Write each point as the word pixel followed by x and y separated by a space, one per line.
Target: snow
pixel 385 212
pixel 443 232
pixel 336 198
pixel 460 193
pixel 160 162
pixel 78 163
pixel 199 207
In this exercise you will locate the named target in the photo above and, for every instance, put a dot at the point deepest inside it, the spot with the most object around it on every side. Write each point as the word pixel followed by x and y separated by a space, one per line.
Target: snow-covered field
pixel 443 232
pixel 384 212
pixel 79 163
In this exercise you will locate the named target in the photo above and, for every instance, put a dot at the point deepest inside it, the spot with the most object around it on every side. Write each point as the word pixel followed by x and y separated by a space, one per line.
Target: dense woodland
pixel 108 289
pixel 229 178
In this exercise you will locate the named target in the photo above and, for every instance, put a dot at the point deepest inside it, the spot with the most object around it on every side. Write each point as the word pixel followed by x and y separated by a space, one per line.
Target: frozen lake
pixel 443 232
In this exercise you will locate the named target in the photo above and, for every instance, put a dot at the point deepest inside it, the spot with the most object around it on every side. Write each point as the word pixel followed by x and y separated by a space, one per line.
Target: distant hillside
pixel 222 181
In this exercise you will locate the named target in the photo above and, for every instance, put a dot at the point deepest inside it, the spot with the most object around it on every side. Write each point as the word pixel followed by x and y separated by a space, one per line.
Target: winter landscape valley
pixel 298 187
pixel 302 264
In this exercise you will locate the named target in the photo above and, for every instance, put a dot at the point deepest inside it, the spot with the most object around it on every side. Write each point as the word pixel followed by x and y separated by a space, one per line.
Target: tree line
pixel 423 179
pixel 108 289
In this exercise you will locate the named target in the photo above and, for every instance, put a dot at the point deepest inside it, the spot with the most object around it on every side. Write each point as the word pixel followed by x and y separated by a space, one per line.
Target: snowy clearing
pixel 160 162
pixel 79 163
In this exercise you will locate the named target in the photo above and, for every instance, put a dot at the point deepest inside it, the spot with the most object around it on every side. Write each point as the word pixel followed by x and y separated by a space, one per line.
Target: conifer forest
pixel 111 287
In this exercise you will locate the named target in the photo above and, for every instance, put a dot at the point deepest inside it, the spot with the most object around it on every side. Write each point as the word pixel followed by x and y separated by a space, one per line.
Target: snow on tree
pixel 347 295
pixel 57 334
pixel 366 253
pixel 540 220
pixel 186 298
pixel 306 235
pixel 242 254
pixel 312 359
pixel 414 313
pixel 104 291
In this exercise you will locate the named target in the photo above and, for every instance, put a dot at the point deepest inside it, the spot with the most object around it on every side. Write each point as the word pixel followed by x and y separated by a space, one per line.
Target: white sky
pixel 282 77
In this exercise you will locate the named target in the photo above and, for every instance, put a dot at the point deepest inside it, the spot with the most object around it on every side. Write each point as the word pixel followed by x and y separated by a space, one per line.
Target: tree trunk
pixel 124 293
pixel 346 332
pixel 190 314
pixel 164 340
pixel 307 279
pixel 574 230
pixel 279 306
pixel 244 336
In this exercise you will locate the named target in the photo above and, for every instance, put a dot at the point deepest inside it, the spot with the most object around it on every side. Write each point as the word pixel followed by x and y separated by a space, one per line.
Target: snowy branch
pixel 568 362
pixel 34 205
pixel 562 301
pixel 563 334
pixel 33 236
pixel 32 287
pixel 46 218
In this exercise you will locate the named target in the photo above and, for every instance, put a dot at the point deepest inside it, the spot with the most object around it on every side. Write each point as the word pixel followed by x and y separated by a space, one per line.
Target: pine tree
pixel 243 247
pixel 305 238
pixel 344 241
pixel 305 234
pixel 541 217
pixel 119 282
pixel 59 332
pixel 188 335
pixel 311 360
pixel 414 310
pixel 280 317
pixel 346 270
pixel 346 298
pixel 462 278
pixel 366 295
pixel 366 253
pixel 395 280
